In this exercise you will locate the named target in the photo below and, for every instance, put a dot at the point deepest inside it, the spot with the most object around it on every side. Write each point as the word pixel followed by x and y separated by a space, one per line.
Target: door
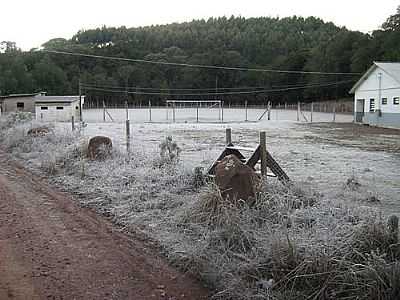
pixel 360 106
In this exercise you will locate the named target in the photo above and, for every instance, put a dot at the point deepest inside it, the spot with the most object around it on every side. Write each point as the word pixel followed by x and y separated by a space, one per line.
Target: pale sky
pixel 31 23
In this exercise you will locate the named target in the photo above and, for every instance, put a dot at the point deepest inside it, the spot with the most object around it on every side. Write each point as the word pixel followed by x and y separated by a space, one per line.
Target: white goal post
pixel 174 105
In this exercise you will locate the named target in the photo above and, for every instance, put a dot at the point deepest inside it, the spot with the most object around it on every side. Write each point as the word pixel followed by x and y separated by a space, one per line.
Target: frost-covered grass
pixel 292 243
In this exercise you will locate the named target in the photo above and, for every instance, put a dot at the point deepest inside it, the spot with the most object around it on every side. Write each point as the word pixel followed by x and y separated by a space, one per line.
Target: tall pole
pixel 379 93
pixel 216 86
pixel 80 101
pixel 127 110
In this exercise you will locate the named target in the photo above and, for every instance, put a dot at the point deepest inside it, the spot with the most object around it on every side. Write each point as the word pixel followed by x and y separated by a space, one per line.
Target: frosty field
pixel 325 232
pixel 309 153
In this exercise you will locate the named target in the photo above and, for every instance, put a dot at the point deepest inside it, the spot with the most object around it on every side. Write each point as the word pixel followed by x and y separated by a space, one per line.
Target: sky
pixel 30 23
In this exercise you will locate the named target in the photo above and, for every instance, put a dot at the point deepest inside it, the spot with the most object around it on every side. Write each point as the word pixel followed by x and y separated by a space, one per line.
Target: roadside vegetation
pixel 291 243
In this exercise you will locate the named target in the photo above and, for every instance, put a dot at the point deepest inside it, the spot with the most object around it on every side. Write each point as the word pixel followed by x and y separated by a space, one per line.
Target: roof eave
pixel 362 79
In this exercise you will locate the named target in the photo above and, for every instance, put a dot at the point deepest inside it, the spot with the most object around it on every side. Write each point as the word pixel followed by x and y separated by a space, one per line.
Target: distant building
pixel 377 96
pixel 57 108
pixel 18 102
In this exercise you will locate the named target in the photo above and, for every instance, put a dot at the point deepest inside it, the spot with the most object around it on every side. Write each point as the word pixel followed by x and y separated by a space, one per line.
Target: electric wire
pixel 190 89
pixel 195 65
pixel 218 93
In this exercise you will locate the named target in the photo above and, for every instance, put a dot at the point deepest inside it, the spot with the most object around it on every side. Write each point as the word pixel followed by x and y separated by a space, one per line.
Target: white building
pixel 58 108
pixel 377 96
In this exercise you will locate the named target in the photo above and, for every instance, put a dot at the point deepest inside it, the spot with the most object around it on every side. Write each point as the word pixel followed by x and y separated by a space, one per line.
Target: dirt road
pixel 50 248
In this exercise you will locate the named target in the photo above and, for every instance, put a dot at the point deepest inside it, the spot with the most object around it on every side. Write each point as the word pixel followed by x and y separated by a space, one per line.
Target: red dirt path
pixel 50 248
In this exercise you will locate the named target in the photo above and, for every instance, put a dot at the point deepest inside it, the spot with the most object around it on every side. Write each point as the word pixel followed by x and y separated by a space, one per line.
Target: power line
pixel 196 65
pixel 189 89
pixel 218 93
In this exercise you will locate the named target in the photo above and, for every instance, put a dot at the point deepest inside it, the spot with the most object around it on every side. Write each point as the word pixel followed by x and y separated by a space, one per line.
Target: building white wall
pixel 369 89
pixel 54 114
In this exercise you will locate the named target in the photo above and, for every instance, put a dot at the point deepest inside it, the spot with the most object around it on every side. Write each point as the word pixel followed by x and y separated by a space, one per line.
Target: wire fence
pixel 324 111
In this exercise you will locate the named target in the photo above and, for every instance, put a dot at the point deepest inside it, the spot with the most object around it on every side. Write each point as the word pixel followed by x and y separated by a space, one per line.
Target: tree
pixel 393 22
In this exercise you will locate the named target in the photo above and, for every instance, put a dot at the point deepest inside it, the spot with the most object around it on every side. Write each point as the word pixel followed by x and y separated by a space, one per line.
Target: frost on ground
pixel 293 243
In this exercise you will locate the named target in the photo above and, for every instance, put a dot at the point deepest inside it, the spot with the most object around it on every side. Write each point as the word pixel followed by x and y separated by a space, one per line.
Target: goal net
pixel 195 111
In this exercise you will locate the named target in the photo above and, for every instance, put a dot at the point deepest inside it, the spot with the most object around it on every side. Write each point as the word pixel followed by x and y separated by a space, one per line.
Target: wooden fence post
pixel 269 110
pixel 73 123
pixel 173 112
pixel 128 136
pixel 245 108
pixel 150 110
pixel 104 111
pixel 298 111
pixel 222 111
pixel 312 110
pixel 263 153
pixel 334 111
pixel 197 112
pixel 228 136
pixel 127 111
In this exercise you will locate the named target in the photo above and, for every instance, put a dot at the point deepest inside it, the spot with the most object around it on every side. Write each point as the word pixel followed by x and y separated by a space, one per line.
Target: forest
pixel 304 45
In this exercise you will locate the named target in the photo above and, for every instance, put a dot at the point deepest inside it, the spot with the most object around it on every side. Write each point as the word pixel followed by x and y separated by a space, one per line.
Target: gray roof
pixel 57 99
pixel 19 95
pixel 390 68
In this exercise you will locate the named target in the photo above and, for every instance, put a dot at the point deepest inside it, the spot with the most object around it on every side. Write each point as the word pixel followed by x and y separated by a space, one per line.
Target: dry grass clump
pixel 291 245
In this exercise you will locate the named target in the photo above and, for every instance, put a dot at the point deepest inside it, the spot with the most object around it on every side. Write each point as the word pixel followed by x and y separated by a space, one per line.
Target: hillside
pixel 295 43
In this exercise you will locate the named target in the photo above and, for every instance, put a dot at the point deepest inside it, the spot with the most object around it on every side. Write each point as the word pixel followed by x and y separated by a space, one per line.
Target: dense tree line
pixel 295 43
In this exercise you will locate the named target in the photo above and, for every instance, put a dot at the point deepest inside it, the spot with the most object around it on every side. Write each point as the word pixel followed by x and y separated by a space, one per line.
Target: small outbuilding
pixel 377 96
pixel 18 102
pixel 58 108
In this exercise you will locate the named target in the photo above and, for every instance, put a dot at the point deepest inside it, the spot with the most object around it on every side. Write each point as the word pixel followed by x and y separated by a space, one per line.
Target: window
pixel 396 100
pixel 20 104
pixel 384 101
pixel 60 107
pixel 44 108
pixel 371 105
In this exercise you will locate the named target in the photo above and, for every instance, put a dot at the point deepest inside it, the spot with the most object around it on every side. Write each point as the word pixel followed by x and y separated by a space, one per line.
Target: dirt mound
pixel 99 147
pixel 235 179
pixel 38 131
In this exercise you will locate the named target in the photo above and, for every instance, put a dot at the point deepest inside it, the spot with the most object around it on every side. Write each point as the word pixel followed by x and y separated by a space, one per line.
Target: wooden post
pixel 393 226
pixel 173 112
pixel 80 101
pixel 219 111
pixel 104 111
pixel 228 136
pixel 334 111
pixel 127 111
pixel 269 110
pixel 312 110
pixel 150 110
pixel 222 111
pixel 298 111
pixel 245 108
pixel 128 136
pixel 285 105
pixel 73 123
pixel 197 112
pixel 263 153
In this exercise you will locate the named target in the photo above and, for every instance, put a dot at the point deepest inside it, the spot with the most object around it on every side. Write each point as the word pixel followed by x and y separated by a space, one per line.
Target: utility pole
pixel 80 101
pixel 216 86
